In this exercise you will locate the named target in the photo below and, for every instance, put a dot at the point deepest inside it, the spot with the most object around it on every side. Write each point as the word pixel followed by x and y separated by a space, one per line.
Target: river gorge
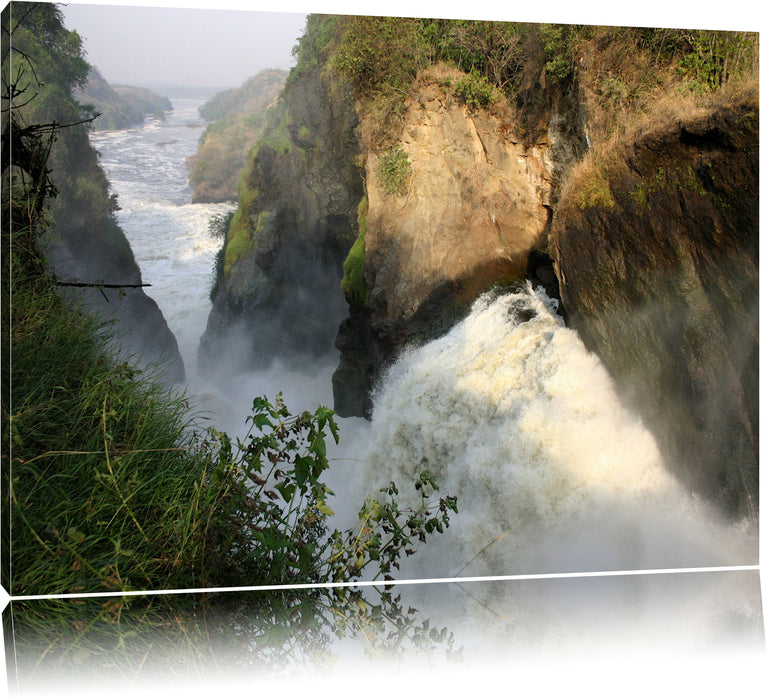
pixel 562 335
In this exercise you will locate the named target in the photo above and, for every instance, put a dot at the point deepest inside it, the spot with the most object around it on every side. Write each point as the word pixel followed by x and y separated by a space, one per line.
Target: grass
pixel 114 486
pixel 107 486
pixel 393 171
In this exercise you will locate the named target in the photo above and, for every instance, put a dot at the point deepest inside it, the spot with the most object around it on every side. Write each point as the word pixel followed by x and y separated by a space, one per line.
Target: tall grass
pixel 113 486
pixel 107 482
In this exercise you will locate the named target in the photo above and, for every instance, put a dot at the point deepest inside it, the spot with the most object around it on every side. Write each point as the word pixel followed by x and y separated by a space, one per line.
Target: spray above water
pixel 512 414
pixel 508 410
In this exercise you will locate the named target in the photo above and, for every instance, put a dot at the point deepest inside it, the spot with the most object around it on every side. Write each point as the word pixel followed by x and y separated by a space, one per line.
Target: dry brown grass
pixel 588 183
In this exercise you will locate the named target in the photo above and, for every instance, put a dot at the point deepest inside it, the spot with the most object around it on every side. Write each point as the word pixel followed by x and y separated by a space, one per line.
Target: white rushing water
pixel 552 474
pixel 168 234
pixel 517 420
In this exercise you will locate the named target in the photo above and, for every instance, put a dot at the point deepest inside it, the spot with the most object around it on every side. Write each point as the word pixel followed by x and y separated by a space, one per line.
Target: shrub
pixel 113 488
pixel 218 226
pixel 476 91
pixel 393 171
pixel 558 43
pixel 378 53
pixel 712 58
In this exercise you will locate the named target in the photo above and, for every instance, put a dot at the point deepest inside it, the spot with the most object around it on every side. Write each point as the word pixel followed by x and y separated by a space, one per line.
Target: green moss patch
pixel 354 285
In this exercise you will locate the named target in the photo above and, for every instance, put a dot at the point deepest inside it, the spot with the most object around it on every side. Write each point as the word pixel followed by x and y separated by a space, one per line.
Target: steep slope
pixel 278 287
pixel 457 156
pixel 84 244
pixel 660 277
pixel 235 121
pixel 120 106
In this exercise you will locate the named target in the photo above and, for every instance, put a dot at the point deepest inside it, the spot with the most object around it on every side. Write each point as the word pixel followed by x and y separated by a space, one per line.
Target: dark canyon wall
pixel 660 277
pixel 83 242
pixel 278 287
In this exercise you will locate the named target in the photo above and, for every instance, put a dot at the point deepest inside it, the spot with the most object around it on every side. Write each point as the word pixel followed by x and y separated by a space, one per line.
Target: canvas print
pixel 304 301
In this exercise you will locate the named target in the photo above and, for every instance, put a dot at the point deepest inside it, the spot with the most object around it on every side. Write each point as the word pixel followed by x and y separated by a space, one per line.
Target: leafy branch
pixel 277 506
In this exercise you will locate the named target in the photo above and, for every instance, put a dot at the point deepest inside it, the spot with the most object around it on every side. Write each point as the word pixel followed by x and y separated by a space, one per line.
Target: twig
pixel 478 554
pixel 100 284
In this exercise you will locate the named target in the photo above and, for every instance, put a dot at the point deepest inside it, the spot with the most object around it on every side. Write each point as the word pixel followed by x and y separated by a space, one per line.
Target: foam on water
pixel 523 424
pixel 168 234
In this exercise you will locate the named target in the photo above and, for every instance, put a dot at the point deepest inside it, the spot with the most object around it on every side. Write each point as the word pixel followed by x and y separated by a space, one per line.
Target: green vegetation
pixel 354 285
pixel 47 62
pixel 394 170
pixel 380 56
pixel 120 106
pixel 252 185
pixel 111 489
pixel 558 46
pixel 378 53
pixel 275 634
pixel 238 242
pixel 110 483
pixel 235 118
pixel 476 91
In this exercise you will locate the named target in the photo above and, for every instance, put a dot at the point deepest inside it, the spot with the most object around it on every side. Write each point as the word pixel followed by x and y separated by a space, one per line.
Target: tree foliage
pixel 42 65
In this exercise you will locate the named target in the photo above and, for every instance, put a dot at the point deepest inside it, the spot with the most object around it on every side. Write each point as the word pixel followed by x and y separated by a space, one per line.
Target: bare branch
pixel 99 284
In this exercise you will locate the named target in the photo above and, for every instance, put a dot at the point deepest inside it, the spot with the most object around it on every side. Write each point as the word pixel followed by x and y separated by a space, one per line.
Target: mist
pixel 164 46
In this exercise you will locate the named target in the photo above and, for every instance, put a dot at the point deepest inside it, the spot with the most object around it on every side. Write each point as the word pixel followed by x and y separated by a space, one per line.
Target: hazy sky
pixel 157 45
pixel 162 43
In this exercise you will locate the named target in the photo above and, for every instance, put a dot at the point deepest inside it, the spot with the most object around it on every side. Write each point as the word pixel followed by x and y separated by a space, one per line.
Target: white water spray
pixel 522 423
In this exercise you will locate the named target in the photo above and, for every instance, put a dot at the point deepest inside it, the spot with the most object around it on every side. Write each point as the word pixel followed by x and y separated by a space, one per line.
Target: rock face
pixel 278 291
pixel 235 119
pixel 475 207
pixel 141 332
pixel 661 280
pixel 87 246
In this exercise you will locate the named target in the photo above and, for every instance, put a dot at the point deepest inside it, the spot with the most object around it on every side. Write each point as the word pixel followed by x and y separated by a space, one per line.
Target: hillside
pixel 120 106
pixel 82 242
pixel 235 120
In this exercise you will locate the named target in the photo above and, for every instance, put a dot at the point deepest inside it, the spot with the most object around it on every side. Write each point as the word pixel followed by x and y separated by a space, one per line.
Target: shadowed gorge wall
pixel 83 242
pixel 661 280
pixel 278 290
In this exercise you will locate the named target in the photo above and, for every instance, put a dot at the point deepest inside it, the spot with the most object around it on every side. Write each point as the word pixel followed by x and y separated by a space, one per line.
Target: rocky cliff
pixel 141 333
pixel 659 274
pixel 278 288
pixel 473 210
pixel 86 246
pixel 82 240
pixel 422 186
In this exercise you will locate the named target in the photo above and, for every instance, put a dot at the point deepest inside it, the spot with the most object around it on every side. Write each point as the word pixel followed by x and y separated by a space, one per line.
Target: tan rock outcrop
pixel 476 204
pixel 473 213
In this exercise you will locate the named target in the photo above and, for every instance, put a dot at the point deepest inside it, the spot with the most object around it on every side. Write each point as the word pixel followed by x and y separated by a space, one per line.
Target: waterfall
pixel 511 413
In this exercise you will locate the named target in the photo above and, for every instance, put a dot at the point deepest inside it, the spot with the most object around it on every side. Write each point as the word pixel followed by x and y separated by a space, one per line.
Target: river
pixel 517 419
